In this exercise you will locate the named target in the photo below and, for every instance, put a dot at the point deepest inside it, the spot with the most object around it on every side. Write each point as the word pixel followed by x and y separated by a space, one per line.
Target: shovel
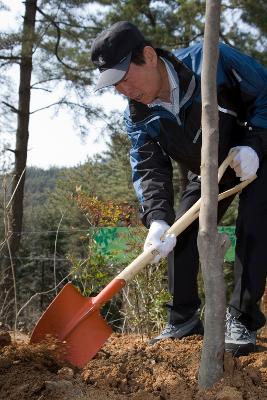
pixel 76 320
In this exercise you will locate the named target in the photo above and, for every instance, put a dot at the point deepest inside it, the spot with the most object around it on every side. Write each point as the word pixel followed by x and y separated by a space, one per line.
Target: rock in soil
pixel 5 339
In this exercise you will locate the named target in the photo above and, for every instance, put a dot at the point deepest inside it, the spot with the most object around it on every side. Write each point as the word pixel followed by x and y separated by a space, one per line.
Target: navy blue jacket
pixel 157 136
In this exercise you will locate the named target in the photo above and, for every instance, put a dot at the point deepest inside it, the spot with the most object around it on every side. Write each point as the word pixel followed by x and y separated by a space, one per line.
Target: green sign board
pixel 120 243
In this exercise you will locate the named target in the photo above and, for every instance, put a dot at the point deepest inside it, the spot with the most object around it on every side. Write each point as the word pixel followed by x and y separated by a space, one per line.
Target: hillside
pixel 39 183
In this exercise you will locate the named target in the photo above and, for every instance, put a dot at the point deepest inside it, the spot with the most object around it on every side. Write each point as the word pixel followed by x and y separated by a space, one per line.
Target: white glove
pixel 245 162
pixel 156 237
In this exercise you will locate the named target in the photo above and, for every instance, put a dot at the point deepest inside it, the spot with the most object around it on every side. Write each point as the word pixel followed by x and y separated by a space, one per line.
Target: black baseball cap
pixel 111 52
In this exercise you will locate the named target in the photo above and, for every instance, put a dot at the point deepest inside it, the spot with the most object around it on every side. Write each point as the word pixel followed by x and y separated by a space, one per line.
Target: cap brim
pixel 113 75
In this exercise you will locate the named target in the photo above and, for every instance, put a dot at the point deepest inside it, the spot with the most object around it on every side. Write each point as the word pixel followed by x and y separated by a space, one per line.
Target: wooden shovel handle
pixel 181 224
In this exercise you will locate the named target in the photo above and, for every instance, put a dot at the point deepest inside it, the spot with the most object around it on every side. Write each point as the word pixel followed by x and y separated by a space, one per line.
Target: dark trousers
pixel 250 266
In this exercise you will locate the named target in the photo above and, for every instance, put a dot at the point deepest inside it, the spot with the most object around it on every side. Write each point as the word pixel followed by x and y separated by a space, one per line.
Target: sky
pixel 53 139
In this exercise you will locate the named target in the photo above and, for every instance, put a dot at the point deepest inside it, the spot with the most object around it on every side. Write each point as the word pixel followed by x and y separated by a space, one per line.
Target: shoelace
pixel 236 327
pixel 168 329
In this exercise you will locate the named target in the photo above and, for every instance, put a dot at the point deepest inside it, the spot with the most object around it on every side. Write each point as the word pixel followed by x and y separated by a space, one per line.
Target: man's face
pixel 142 82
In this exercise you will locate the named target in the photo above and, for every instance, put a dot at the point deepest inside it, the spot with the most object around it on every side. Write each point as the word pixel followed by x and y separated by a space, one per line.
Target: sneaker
pixel 238 339
pixel 191 327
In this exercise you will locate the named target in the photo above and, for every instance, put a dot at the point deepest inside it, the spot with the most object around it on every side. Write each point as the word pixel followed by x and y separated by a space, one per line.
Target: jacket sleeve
pixel 152 177
pixel 251 79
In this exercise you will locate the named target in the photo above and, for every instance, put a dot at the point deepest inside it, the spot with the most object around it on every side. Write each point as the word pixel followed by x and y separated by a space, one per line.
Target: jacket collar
pixel 184 73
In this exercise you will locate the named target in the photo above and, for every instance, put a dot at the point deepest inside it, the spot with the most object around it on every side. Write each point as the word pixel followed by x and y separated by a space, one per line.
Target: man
pixel 163 121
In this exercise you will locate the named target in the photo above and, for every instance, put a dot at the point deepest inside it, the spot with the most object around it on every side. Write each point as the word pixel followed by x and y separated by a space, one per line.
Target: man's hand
pixel 245 162
pixel 156 237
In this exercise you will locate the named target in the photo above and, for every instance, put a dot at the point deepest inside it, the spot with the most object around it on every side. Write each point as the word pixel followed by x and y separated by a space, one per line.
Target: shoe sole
pixel 240 350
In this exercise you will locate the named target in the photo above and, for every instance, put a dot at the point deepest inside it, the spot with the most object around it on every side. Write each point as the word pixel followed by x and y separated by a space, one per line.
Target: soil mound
pixel 127 367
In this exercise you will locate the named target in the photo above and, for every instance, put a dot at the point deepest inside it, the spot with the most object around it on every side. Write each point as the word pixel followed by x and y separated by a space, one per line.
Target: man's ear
pixel 150 56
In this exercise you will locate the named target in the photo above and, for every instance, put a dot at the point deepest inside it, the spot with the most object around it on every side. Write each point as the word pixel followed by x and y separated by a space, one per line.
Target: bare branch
pixel 94 29
pixel 58 40
pixel 13 194
pixel 46 107
pixel 39 88
pixel 2 65
pixel 12 151
pixel 10 58
pixel 55 250
pixel 40 293
pixel 15 110
pixel 56 78
pixel 7 239
pixel 62 102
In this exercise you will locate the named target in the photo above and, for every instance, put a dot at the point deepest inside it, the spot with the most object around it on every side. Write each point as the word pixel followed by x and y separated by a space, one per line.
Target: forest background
pixel 61 213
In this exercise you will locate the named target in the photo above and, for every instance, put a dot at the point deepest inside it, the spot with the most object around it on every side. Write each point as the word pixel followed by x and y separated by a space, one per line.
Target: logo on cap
pixel 101 60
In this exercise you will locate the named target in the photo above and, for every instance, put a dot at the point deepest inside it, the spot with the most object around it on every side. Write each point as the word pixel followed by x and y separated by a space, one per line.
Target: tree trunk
pixel 211 245
pixel 22 135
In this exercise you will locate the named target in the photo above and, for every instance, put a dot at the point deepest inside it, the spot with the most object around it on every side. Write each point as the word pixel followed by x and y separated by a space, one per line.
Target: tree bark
pixel 22 135
pixel 211 245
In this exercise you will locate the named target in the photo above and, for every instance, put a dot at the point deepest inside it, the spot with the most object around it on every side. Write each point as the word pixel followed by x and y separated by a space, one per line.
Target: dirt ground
pixel 127 367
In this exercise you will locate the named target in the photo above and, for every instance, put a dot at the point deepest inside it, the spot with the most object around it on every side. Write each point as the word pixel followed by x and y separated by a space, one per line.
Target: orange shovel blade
pixel 87 336
pixel 86 340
